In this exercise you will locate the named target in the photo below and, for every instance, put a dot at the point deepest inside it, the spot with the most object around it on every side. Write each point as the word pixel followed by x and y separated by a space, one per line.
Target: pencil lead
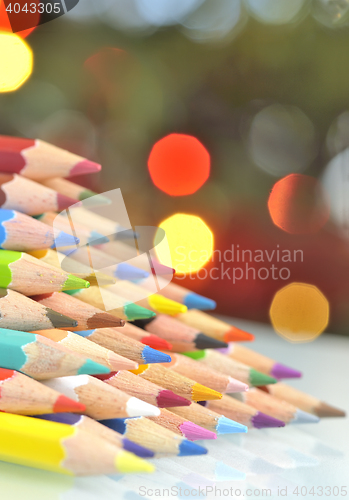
pixel 167 399
pixel 302 417
pixel 196 301
pixel 258 378
pixel 59 320
pixel 65 240
pixel 137 449
pixel 125 271
pixel 187 448
pixel 236 386
pixel 153 356
pixel 227 426
pixel 64 404
pixel 202 393
pixel 138 408
pixel 134 311
pixel 65 202
pixel 325 410
pixel 75 283
pixel 194 432
pixel 238 335
pixel 262 421
pixel 92 368
pixel 203 341
pixel 85 167
pixel 127 462
pixel 156 342
pixel 163 305
pixel 280 371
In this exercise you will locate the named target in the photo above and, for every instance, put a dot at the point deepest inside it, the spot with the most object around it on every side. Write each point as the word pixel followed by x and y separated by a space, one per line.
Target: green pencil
pixel 30 276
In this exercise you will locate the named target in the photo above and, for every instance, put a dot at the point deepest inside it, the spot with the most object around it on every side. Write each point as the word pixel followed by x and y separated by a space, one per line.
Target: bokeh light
pixel 166 12
pixel 338 134
pixel 31 19
pixel 213 21
pixel 190 241
pixel 275 11
pixel 299 312
pixel 298 204
pixel 331 13
pixel 16 62
pixel 281 140
pixel 335 180
pixel 179 164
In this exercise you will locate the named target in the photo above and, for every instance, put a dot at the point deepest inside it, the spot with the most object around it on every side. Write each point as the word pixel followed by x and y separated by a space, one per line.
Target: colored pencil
pixel 62 222
pixel 87 317
pixel 143 389
pixel 114 304
pixel 41 358
pixel 182 426
pixel 80 345
pixel 228 366
pixel 24 273
pixel 93 258
pixel 183 386
pixel 62 448
pixel 214 327
pixel 73 190
pixel 153 301
pixel 19 312
pixel 25 396
pixel 204 375
pixel 259 362
pixel 91 220
pixel 23 233
pixel 182 337
pixel 145 261
pixel 29 197
pixel 55 259
pixel 214 422
pixel 304 401
pixel 101 400
pixel 153 341
pixel 276 408
pixel 38 159
pixel 113 339
pixel 154 437
pixel 92 426
pixel 242 413
pixel 178 293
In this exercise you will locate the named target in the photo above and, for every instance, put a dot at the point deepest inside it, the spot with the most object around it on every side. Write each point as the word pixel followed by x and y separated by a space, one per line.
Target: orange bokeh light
pixel 298 204
pixel 179 164
pixel 5 25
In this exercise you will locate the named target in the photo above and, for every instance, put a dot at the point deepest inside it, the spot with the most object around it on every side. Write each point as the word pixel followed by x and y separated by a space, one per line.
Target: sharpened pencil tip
pixel 125 271
pixel 203 393
pixel 203 341
pixel 137 449
pixel 195 301
pixel 85 167
pixel 64 202
pixel 280 371
pixel 227 426
pixel 58 320
pixel 92 368
pixel 65 240
pixel 127 462
pixel 194 432
pixel 64 404
pixel 237 335
pixel 153 356
pixel 75 283
pixel 236 386
pixel 325 410
pixel 187 448
pixel 258 378
pixel 263 421
pixel 137 408
pixel 302 417
pixel 163 305
pixel 167 399
pixel 156 342
pixel 134 311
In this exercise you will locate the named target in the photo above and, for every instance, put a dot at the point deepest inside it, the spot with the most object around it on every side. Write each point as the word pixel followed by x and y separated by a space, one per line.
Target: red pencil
pixel 37 159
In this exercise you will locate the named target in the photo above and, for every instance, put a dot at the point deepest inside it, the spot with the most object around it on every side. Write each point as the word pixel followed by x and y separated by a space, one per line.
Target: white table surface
pixel 305 456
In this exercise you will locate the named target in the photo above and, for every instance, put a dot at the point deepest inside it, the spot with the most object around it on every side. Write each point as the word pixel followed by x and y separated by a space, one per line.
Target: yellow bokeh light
pixel 16 62
pixel 299 312
pixel 190 243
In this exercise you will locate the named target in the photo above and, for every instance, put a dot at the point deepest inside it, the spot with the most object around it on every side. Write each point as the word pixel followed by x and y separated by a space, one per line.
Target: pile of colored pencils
pixel 146 378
